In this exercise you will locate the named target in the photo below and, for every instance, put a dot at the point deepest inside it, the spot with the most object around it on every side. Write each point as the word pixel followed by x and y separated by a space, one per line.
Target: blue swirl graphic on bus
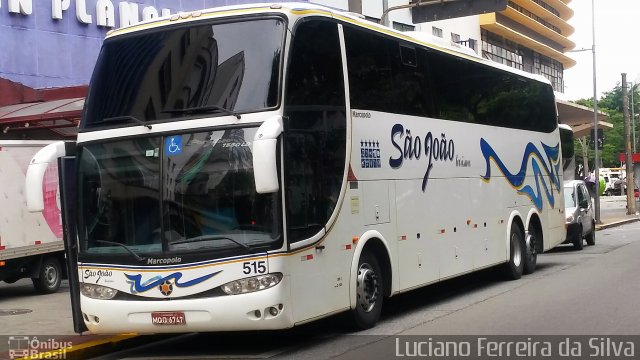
pixel 138 286
pixel 541 171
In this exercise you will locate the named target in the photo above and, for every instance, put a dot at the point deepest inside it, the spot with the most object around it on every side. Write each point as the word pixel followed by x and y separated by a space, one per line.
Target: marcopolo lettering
pixel 431 148
pixel 173 260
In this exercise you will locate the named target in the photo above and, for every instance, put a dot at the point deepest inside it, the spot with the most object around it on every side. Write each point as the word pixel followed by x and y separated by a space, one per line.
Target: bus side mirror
pixel 35 174
pixel 265 146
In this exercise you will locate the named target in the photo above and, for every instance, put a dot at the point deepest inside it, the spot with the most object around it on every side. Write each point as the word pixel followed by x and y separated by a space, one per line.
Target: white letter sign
pixel 105 13
pixel 128 14
pixel 81 12
pixel 24 7
pixel 57 7
pixel 149 13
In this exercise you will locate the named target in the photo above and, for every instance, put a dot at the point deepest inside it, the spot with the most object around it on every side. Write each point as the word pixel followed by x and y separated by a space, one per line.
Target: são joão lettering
pixel 428 148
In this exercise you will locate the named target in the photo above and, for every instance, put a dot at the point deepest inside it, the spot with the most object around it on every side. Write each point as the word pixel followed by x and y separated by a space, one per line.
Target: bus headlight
pixel 97 291
pixel 251 284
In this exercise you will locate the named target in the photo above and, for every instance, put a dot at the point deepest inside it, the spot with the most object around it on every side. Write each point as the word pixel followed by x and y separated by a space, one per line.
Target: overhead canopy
pixel 53 119
pixel 580 118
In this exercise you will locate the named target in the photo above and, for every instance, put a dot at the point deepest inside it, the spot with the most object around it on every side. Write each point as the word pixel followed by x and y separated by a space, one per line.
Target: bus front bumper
pixel 252 311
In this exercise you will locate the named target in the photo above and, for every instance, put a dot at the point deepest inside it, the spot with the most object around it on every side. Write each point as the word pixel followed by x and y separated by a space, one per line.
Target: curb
pixel 616 223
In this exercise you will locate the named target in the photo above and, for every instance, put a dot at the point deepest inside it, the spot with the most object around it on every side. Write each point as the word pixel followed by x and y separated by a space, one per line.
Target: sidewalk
pixel 613 212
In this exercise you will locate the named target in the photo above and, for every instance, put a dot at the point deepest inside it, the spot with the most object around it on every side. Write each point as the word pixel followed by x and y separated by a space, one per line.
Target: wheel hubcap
pixel 517 251
pixel 50 275
pixel 367 287
pixel 531 245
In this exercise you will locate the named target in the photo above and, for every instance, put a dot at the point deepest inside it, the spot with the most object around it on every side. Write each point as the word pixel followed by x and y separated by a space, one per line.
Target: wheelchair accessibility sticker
pixel 173 145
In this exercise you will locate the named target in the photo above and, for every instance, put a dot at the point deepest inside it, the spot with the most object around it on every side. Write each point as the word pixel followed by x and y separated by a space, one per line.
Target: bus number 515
pixel 254 267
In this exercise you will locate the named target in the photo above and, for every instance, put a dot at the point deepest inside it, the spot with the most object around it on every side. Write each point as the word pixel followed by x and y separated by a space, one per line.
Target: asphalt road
pixel 589 292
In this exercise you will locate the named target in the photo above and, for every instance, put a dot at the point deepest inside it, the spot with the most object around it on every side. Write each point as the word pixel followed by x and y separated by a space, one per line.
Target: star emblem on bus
pixel 166 288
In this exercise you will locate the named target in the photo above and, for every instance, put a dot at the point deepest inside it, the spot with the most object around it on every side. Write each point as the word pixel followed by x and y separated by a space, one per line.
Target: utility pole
pixel 595 114
pixel 633 117
pixel 631 204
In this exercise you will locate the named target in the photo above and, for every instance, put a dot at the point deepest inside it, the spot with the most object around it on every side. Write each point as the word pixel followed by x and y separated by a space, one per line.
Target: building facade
pixel 48 49
pixel 530 35
pixel 55 43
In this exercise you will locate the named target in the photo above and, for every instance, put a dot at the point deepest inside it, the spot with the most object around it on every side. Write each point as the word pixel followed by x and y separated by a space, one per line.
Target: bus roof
pixel 295 9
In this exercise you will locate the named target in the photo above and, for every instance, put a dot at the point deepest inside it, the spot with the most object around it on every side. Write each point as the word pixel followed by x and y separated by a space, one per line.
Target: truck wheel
pixel 369 292
pixel 50 276
pixel 515 267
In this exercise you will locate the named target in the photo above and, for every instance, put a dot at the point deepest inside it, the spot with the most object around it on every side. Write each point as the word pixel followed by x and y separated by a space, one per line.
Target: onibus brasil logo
pixel 32 347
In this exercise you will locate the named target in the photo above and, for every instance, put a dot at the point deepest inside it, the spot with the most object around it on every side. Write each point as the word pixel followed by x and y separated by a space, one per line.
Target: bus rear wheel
pixel 530 253
pixel 369 292
pixel 515 267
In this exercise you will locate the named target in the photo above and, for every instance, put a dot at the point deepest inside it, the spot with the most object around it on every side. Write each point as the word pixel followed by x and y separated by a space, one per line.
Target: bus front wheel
pixel 515 267
pixel 369 292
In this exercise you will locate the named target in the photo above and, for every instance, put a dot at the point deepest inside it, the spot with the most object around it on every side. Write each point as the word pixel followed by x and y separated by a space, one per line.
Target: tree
pixel 611 104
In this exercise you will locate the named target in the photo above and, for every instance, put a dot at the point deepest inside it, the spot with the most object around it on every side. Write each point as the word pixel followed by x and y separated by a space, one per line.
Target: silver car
pixel 578 208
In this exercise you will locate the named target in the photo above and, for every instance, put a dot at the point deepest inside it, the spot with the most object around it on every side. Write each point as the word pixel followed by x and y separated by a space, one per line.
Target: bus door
pixel 68 196
pixel 314 167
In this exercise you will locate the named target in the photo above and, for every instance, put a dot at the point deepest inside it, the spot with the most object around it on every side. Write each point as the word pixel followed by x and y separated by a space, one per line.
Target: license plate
pixel 168 318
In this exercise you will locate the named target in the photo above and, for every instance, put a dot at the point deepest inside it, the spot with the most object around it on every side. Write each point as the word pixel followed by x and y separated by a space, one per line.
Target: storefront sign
pixel 105 11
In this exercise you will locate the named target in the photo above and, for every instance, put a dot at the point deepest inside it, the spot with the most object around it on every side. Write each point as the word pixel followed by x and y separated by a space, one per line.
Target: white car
pixel 580 222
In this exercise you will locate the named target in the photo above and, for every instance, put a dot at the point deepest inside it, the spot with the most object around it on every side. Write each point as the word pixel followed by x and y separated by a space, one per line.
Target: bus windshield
pixel 163 75
pixel 175 194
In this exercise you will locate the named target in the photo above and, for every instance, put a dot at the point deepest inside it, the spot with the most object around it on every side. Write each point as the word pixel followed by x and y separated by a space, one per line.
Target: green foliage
pixel 611 104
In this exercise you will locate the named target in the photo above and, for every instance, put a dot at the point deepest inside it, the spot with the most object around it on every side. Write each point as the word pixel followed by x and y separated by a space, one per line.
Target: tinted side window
pixel 471 92
pixel 315 128
pixel 370 78
pixel 386 74
pixel 391 75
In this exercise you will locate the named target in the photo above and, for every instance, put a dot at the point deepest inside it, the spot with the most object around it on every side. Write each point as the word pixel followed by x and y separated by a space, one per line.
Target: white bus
pixel 260 167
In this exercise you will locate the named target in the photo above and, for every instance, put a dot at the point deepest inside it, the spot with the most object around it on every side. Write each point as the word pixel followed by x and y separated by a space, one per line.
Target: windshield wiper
pixel 123 118
pixel 121 245
pixel 207 238
pixel 202 110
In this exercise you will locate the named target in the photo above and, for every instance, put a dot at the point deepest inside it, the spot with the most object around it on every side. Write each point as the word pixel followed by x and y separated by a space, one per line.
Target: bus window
pixel 315 129
pixel 153 75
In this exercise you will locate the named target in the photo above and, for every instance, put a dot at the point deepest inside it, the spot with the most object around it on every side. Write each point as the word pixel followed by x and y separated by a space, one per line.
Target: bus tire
pixel 369 292
pixel 530 253
pixel 50 276
pixel 515 267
